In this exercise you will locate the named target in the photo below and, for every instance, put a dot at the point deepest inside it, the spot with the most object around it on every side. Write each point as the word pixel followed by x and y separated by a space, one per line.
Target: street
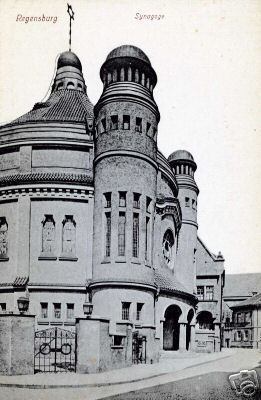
pixel 213 386
pixel 204 381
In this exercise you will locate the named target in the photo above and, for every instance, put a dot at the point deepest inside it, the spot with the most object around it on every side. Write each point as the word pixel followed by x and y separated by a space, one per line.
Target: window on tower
pixel 139 311
pixel 125 310
pixel 135 236
pixel 69 236
pixel 107 197
pixel 148 128
pixel 136 200
pixel 121 233
pixel 138 127
pixel 3 239
pixel 114 122
pixel 186 201
pixel 57 310
pixel 122 199
pixel 48 236
pixel 126 122
pixel 44 310
pixel 167 247
pixel 107 234
pixel 103 125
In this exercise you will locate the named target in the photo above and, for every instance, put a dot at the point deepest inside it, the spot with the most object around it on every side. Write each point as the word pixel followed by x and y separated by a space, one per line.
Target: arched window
pixel 3 238
pixel 48 235
pixel 167 246
pixel 69 236
pixel 70 85
pixel 205 320
pixel 60 85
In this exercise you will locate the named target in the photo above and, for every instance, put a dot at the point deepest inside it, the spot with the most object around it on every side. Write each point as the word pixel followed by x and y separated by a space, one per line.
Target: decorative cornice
pixel 169 206
pixel 121 283
pixel 46 177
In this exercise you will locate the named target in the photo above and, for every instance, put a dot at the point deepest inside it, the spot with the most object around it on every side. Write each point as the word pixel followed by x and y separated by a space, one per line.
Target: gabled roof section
pixel 253 301
pixel 242 285
pixel 64 105
pixel 208 263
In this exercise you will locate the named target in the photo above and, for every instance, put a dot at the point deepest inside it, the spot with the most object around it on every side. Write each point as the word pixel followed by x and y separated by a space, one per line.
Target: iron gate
pixel 139 343
pixel 54 350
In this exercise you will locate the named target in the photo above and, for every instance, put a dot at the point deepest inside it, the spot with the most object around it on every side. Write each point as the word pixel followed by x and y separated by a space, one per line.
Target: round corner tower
pixel 184 167
pixel 125 174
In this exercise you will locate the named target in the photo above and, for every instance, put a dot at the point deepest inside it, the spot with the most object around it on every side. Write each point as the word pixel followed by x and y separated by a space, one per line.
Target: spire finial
pixel 71 15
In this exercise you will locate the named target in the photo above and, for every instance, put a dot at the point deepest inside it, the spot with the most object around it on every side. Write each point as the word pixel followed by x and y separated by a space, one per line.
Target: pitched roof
pixel 242 284
pixel 62 105
pixel 253 301
pixel 164 279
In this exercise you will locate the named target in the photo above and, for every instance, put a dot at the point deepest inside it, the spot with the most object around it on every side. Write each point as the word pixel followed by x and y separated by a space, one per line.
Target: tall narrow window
pixel 48 236
pixel 194 204
pixel 107 197
pixel 2 307
pixel 136 200
pixel 148 128
pixel 121 234
pixel 209 292
pixel 107 234
pixel 70 311
pixel 3 238
pixel 138 311
pixel 103 125
pixel 187 201
pixel 69 236
pixel 44 310
pixel 148 204
pixel 147 239
pixel 57 310
pixel 114 122
pixel 135 236
pixel 200 292
pixel 126 122
pixel 122 199
pixel 138 127
pixel 125 311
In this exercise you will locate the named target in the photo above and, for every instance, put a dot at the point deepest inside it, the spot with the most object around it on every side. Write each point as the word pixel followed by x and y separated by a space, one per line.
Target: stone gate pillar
pixel 17 344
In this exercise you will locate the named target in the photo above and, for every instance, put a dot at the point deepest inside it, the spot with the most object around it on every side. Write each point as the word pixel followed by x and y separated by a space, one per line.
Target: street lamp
pixel 23 304
pixel 87 309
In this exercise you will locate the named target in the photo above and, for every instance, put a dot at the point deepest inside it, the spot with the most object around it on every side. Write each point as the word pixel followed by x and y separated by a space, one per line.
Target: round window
pixel 167 246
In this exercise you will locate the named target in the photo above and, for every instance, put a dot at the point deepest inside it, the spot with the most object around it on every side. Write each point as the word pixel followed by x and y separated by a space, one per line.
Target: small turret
pixel 69 73
pixel 184 167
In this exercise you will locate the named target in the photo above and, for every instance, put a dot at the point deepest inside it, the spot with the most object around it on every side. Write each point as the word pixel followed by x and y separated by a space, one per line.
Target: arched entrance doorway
pixel 188 328
pixel 205 320
pixel 171 328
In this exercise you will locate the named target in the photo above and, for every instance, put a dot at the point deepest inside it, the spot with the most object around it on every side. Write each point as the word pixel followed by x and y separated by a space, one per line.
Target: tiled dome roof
pixel 128 51
pixel 62 105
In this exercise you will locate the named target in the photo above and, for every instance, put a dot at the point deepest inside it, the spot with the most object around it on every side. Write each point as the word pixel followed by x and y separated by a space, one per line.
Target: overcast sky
pixel 207 58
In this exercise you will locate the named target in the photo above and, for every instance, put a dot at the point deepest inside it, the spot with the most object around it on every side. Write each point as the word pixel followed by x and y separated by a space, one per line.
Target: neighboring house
pixel 238 289
pixel 245 328
pixel 210 284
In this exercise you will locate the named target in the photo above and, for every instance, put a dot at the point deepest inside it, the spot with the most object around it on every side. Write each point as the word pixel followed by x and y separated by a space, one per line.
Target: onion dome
pixel 69 59
pixel 128 51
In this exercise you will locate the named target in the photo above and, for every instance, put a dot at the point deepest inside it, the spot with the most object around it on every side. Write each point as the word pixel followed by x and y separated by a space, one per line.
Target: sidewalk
pixel 168 363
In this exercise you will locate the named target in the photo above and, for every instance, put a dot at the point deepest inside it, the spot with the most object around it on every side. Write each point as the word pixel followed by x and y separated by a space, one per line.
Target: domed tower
pixel 46 167
pixel 125 174
pixel 184 167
